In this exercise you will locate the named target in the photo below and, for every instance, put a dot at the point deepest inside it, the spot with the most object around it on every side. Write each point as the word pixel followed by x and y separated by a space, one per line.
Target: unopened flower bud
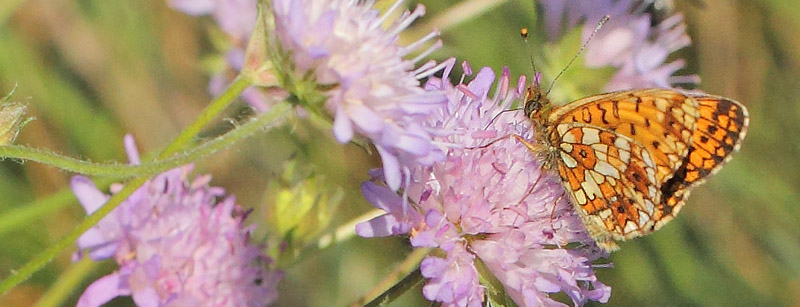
pixel 257 65
pixel 301 207
pixel 11 121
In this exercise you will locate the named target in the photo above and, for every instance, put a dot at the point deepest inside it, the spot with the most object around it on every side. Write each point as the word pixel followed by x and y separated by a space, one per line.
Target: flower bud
pixel 257 65
pixel 12 118
pixel 300 208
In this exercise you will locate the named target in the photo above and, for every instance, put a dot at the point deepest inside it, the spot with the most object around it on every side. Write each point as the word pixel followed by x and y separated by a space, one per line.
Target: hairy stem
pixel 184 139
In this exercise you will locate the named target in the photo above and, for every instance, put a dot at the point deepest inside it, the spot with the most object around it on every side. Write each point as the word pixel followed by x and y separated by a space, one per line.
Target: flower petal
pixel 87 193
pixel 103 290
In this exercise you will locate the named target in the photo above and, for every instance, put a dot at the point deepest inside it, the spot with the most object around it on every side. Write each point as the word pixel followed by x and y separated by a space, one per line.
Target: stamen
pixel 418 12
pixel 413 46
pixel 378 22
pixel 431 49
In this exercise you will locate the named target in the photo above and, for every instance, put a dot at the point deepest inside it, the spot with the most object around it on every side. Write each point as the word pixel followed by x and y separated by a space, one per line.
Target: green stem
pixel 341 234
pixel 410 281
pixel 67 282
pixel 409 268
pixel 209 113
pixel 122 170
pixel 346 231
pixel 114 170
pixel 24 215
pixel 185 138
pixel 51 252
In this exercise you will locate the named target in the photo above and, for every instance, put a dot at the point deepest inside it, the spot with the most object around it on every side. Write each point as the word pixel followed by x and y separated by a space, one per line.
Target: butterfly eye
pixel 533 105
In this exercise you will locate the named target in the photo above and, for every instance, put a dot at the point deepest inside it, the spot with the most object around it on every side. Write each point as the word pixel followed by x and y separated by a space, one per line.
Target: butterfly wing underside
pixel 630 158
pixel 721 127
pixel 614 186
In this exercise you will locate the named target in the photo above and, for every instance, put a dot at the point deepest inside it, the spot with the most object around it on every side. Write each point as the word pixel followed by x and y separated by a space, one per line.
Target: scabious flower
pixel 371 89
pixel 488 201
pixel 629 41
pixel 175 244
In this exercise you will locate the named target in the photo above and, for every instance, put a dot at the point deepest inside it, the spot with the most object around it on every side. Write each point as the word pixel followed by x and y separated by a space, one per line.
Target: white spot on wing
pixel 647 160
pixel 651 174
pixel 600 148
pixel 590 187
pixel 643 217
pixel 652 191
pixel 661 104
pixel 689 108
pixel 569 138
pixel 630 227
pixel 649 207
pixel 607 169
pixel 601 155
pixel 590 136
pixel 622 144
pixel 562 129
pixel 625 156
pixel 598 177
pixel 568 160
pixel 580 197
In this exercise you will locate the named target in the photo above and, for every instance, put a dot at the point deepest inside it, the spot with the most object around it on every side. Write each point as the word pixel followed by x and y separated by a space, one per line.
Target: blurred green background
pixel 92 70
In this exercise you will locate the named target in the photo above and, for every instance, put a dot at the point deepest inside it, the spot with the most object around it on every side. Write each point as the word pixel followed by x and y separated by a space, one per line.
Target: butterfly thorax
pixel 537 108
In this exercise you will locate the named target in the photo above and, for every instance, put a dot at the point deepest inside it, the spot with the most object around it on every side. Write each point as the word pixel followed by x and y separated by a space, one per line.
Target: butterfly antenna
pixel 498 115
pixel 524 33
pixel 586 43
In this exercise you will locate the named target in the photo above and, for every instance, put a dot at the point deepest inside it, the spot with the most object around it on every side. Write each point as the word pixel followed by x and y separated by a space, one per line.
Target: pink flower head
pixel 175 245
pixel 628 41
pixel 373 91
pixel 489 200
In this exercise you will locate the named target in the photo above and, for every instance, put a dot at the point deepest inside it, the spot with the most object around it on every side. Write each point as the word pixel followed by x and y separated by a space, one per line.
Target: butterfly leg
pixel 491 143
pixel 553 214
pixel 535 148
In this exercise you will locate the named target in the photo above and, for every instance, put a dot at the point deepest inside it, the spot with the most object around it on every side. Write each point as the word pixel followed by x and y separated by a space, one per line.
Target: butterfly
pixel 629 159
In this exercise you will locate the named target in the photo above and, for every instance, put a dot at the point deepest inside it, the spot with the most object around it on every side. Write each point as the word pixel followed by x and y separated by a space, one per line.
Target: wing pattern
pixel 629 159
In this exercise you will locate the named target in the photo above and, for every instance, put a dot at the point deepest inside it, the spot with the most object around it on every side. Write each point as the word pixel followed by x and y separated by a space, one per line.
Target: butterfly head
pixel 535 100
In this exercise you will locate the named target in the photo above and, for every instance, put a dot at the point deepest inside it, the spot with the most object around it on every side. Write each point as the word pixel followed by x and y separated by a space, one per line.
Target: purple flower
pixel 371 89
pixel 452 280
pixel 175 245
pixel 628 41
pixel 489 200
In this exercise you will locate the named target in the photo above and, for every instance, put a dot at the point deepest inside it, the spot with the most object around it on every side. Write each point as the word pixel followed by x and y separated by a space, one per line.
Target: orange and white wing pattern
pixel 721 126
pixel 630 158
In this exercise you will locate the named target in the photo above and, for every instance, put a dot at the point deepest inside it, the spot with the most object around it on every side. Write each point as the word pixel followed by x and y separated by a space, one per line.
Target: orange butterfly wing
pixel 630 158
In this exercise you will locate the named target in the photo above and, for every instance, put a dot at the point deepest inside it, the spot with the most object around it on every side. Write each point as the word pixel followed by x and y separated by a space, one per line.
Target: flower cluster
pixel 629 41
pixel 373 90
pixel 489 201
pixel 175 245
